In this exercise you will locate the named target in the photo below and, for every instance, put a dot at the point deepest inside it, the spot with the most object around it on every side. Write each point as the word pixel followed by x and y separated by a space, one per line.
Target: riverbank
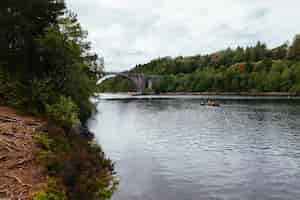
pixel 250 94
pixel 202 96
pixel 42 160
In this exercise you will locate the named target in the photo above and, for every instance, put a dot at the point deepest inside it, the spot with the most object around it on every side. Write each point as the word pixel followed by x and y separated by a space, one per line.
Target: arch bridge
pixel 140 80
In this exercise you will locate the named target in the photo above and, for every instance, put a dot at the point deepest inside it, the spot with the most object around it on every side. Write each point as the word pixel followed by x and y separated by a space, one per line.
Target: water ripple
pixel 177 149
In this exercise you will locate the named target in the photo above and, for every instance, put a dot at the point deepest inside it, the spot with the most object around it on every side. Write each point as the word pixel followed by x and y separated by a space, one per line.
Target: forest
pixel 45 59
pixel 47 70
pixel 251 69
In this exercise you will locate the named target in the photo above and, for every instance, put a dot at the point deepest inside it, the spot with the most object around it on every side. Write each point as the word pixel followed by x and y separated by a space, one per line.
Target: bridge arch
pixel 141 81
pixel 137 83
pixel 110 76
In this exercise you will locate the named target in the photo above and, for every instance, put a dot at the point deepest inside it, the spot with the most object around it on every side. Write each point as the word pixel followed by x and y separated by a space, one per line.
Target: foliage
pixel 44 55
pixel 294 50
pixel 43 141
pixel 78 162
pixel 64 111
pixel 51 192
pixel 47 69
pixel 250 69
pixel 105 192
pixel 149 91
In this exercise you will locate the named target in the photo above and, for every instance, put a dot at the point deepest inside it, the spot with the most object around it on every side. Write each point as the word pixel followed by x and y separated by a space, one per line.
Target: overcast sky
pixel 130 32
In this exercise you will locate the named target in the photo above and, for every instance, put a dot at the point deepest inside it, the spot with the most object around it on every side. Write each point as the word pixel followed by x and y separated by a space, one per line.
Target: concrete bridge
pixel 140 80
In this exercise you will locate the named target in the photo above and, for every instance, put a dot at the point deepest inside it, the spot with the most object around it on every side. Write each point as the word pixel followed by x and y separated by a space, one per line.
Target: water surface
pixel 176 149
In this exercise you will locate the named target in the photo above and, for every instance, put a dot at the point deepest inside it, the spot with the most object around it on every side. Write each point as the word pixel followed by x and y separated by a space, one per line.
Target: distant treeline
pixel 250 69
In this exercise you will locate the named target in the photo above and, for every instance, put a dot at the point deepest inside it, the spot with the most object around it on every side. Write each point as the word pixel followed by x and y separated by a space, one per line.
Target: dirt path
pixel 20 175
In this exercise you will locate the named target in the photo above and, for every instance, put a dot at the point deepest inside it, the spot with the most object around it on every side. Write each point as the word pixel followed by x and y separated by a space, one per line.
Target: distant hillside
pixel 250 69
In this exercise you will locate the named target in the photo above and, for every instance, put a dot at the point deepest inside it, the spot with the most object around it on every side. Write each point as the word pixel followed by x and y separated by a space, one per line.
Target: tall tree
pixel 279 52
pixel 20 23
pixel 294 50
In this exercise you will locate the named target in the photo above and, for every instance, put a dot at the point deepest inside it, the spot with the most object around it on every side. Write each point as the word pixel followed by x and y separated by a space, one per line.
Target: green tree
pixel 294 50
pixel 20 23
pixel 279 52
pixel 239 55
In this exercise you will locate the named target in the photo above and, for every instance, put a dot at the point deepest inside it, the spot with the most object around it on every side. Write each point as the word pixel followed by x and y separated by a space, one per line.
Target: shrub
pixel 78 162
pixel 43 141
pixel 52 191
pixel 296 88
pixel 64 111
pixel 149 91
pixel 105 192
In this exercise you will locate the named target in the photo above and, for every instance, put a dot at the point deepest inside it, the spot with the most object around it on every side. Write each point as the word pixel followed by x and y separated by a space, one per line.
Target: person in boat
pixel 210 102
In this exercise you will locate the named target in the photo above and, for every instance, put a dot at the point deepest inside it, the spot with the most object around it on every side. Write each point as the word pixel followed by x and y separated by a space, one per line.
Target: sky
pixel 130 32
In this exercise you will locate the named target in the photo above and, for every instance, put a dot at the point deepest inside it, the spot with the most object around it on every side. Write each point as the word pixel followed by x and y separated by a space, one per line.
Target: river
pixel 176 149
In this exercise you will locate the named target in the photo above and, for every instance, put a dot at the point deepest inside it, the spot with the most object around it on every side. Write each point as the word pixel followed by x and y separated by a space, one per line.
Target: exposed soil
pixel 20 174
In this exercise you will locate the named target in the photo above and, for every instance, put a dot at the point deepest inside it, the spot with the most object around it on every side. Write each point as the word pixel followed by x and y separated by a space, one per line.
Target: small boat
pixel 214 104
pixel 210 103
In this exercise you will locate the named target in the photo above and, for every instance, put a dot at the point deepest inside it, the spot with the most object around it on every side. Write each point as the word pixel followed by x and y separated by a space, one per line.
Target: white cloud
pixel 130 32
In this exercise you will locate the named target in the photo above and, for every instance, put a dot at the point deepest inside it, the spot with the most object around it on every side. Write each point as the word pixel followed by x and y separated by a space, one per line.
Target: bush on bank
pixel 77 162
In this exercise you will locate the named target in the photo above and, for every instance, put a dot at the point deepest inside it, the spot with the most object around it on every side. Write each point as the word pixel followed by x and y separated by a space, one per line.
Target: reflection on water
pixel 177 149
